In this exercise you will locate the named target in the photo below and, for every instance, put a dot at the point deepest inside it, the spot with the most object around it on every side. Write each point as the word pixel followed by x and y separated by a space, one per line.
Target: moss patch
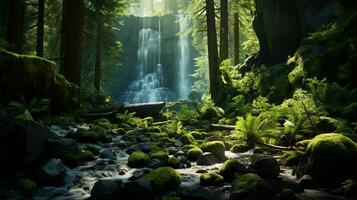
pixel 231 169
pixel 291 158
pixel 194 154
pixel 163 179
pixel 211 179
pixel 138 159
pixel 217 148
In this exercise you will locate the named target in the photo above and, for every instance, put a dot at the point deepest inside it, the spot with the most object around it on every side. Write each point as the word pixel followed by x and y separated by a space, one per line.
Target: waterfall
pixel 149 86
pixel 183 59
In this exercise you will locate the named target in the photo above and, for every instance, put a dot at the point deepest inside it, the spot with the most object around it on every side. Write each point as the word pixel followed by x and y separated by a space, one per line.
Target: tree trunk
pixel 224 31
pixel 40 27
pixel 71 46
pixel 98 56
pixel 236 38
pixel 15 26
pixel 213 59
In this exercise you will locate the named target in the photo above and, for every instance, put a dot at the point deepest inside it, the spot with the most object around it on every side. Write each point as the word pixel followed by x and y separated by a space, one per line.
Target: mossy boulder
pixel 163 179
pixel 93 135
pixel 187 139
pixel 291 158
pixel 211 179
pixel 231 169
pixel 217 148
pixel 161 155
pixel 240 148
pixel 251 186
pixel 330 158
pixel 212 113
pixel 285 194
pixel 38 79
pixel 265 166
pixel 199 135
pixel 194 154
pixel 138 159
pixel 173 162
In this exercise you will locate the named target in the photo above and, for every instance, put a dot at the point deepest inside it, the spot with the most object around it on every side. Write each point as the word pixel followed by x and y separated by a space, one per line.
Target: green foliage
pixel 255 128
pixel 127 118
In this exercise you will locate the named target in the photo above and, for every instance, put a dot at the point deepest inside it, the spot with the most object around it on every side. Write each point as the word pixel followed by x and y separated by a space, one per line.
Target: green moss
pixel 331 158
pixel 172 150
pixel 194 154
pixel 98 129
pixel 240 148
pixel 231 169
pixel 73 160
pixel 217 148
pixel 174 162
pixel 161 155
pixel 249 180
pixel 63 120
pixel 186 148
pixel 188 139
pixel 291 158
pixel 27 187
pixel 212 113
pixel 163 179
pixel 149 121
pixel 199 135
pixel 211 179
pixel 138 159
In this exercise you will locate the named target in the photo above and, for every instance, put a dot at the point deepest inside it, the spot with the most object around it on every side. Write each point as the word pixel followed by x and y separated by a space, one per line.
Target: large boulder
pixel 138 159
pixel 106 189
pixel 163 179
pixel 330 158
pixel 30 76
pixel 231 169
pixel 265 166
pixel 53 172
pixel 217 148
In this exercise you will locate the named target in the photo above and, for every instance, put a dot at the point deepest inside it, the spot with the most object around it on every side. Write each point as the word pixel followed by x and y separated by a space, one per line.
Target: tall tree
pixel 236 38
pixel 224 31
pixel 15 25
pixel 71 40
pixel 40 27
pixel 98 47
pixel 213 60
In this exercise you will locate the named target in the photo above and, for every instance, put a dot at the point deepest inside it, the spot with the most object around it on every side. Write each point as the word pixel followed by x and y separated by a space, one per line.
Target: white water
pixel 184 59
pixel 149 86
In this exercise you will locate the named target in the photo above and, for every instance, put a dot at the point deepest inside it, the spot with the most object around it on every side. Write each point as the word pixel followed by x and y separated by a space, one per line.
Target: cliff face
pixel 281 25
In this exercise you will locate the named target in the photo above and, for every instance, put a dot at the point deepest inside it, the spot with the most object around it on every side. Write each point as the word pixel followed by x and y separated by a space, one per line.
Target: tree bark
pixel 98 56
pixel 224 31
pixel 213 59
pixel 71 46
pixel 236 38
pixel 15 26
pixel 40 27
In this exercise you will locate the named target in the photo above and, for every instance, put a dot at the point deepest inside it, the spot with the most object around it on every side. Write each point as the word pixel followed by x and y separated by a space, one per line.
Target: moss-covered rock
pixel 251 186
pixel 348 189
pixel 265 166
pixel 27 187
pixel 217 148
pixel 186 148
pixel 231 169
pixel 38 79
pixel 212 113
pixel 187 139
pixel 291 158
pixel 194 154
pixel 161 155
pixel 199 135
pixel 173 162
pixel 330 158
pixel 93 135
pixel 138 159
pixel 285 194
pixel 240 148
pixel 163 179
pixel 211 179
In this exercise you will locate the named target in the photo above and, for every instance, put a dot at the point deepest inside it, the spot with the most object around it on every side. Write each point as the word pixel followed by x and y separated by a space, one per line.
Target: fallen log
pixel 220 127
pixel 141 110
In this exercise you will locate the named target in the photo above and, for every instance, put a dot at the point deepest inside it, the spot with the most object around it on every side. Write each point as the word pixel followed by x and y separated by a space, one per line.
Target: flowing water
pixel 184 59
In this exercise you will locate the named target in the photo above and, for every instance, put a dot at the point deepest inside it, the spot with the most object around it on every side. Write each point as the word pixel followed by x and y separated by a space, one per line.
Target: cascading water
pixel 183 59
pixel 149 87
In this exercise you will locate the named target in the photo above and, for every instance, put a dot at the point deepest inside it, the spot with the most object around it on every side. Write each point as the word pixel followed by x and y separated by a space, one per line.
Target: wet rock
pixel 174 163
pixel 53 172
pixel 138 159
pixel 155 163
pixel 27 187
pixel 251 186
pixel 161 155
pixel 291 158
pixel 163 179
pixel 207 159
pixel 265 166
pixel 348 189
pixel 106 189
pixel 286 183
pixel 240 148
pixel 231 169
pixel 217 148
pixel 285 194
pixel 308 182
pixel 93 148
pixel 211 179
pixel 139 189
pixel 61 147
pixel 144 147
pixel 187 139
pixel 108 154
